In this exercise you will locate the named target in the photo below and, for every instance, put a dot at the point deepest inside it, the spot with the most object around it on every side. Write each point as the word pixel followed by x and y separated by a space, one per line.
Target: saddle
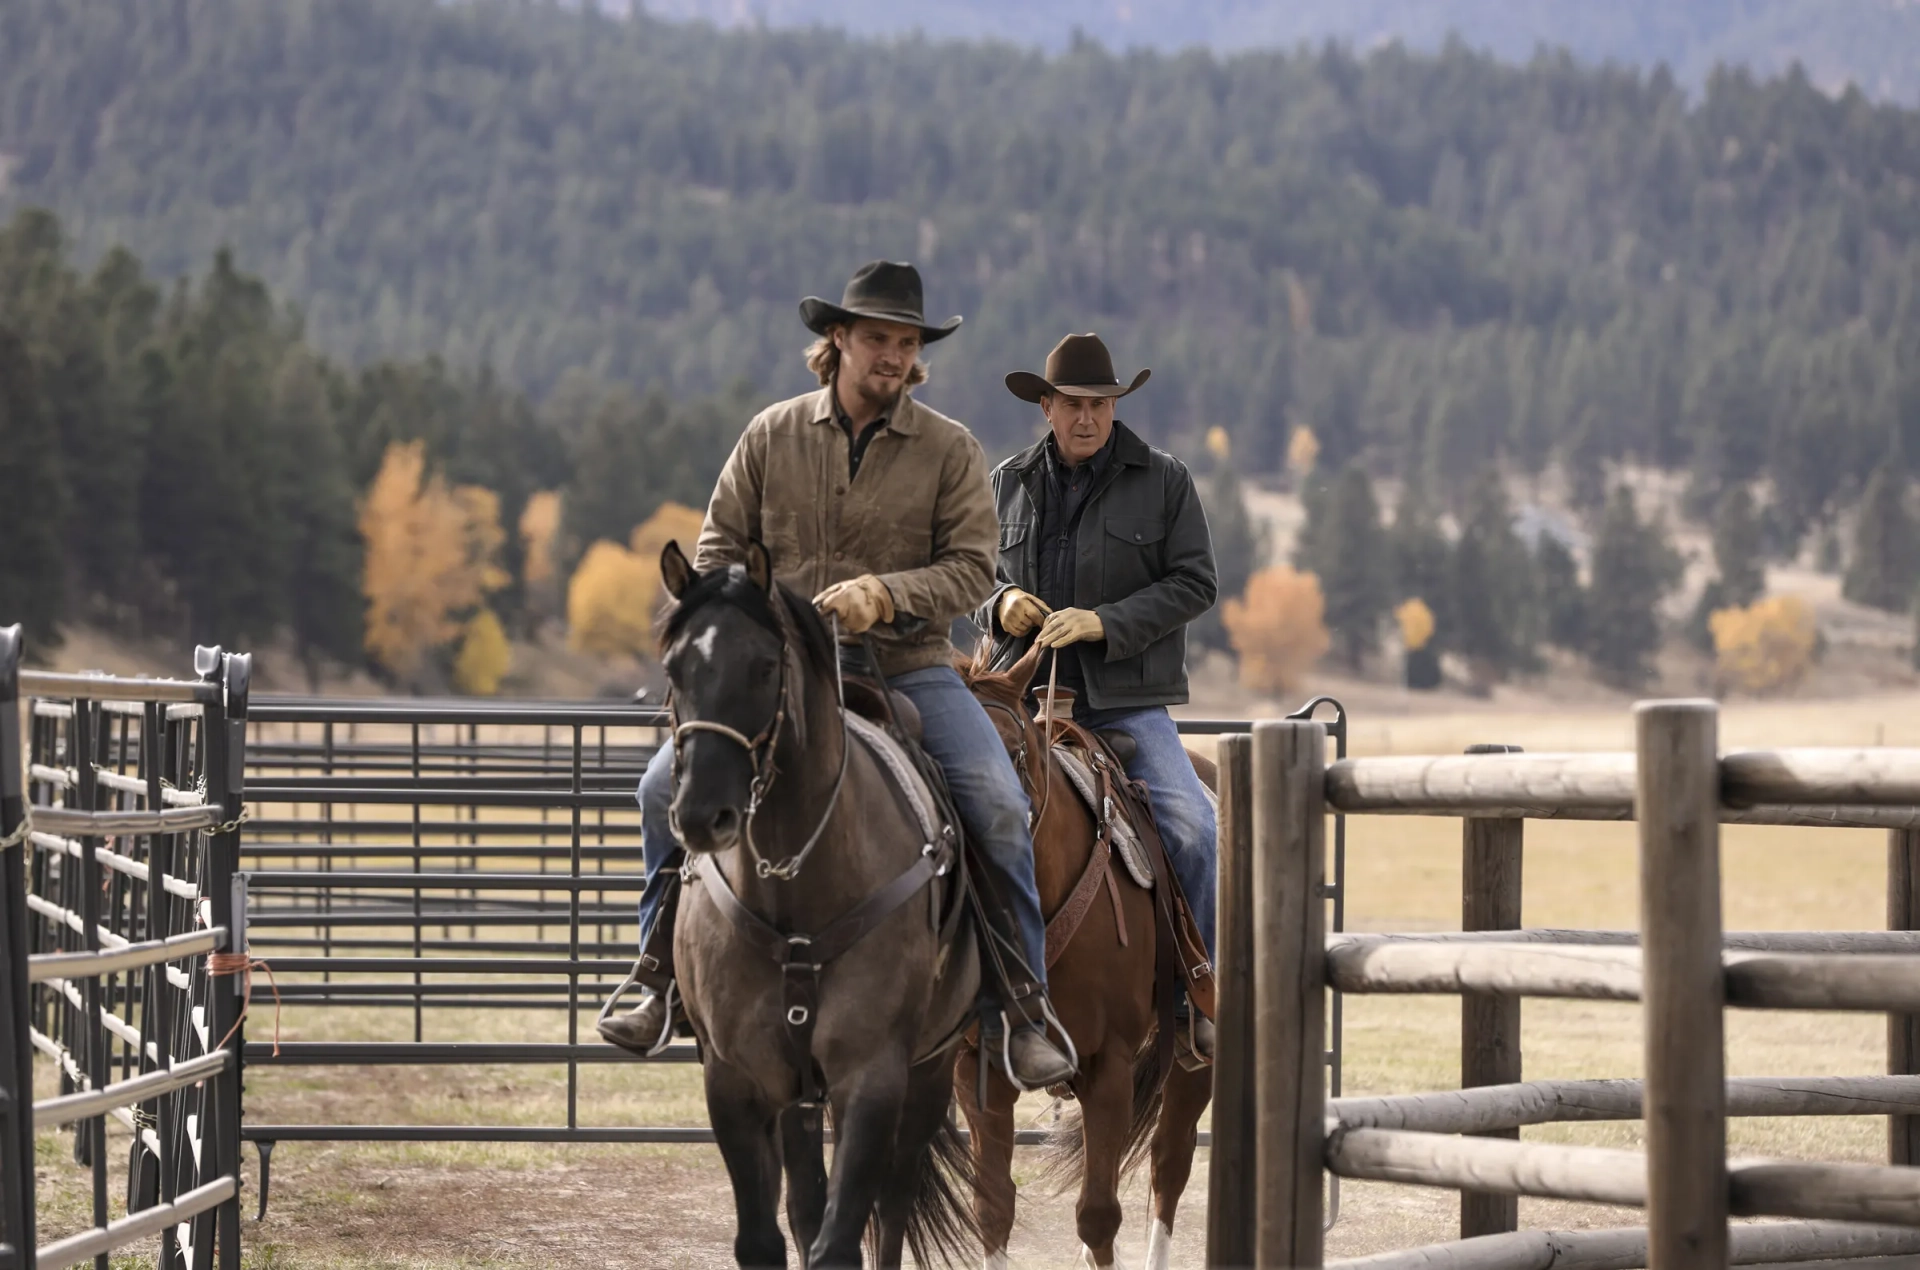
pixel 1123 815
pixel 875 702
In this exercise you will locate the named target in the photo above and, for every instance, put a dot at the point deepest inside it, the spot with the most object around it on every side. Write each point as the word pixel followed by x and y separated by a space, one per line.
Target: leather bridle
pixel 760 750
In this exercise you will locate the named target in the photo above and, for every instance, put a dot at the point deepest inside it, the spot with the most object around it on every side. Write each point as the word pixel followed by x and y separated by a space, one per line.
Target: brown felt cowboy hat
pixel 885 290
pixel 1078 366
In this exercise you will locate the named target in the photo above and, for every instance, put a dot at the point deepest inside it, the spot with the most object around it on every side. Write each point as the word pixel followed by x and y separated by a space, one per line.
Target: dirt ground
pixel 432 1207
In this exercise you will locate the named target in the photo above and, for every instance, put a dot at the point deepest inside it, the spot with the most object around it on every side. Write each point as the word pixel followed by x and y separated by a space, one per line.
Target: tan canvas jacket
pixel 920 515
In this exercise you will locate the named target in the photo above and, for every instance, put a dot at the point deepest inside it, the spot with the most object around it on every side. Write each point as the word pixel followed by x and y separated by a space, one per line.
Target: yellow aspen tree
pixel 485 656
pixel 430 560
pixel 1278 628
pixel 670 522
pixel 1416 624
pixel 1303 451
pixel 1766 646
pixel 610 601
pixel 539 541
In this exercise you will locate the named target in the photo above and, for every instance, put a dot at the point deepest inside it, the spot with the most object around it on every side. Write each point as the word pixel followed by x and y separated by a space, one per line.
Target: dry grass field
pixel 434 1207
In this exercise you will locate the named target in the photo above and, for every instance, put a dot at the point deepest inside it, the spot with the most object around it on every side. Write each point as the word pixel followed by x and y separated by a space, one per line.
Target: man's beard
pixel 880 392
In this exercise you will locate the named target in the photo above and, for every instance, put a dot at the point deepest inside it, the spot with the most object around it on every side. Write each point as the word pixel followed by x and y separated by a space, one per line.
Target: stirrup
pixel 1006 1044
pixel 671 997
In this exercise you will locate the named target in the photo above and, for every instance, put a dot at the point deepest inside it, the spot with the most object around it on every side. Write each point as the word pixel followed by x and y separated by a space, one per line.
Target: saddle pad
pixel 1125 841
pixel 895 760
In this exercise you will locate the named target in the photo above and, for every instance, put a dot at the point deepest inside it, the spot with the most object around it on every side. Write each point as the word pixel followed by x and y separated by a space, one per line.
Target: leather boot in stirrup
pixel 1034 1061
pixel 641 1029
pixel 1193 1045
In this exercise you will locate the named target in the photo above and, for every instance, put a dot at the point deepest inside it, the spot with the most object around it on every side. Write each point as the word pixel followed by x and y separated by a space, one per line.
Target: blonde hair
pixel 823 359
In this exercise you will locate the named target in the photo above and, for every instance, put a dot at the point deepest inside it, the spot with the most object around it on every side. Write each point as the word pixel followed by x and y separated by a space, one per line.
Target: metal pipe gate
pixel 118 898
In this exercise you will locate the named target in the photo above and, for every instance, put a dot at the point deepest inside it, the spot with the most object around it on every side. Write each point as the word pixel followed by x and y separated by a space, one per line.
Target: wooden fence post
pixel 1903 1030
pixel 1289 989
pixel 1490 871
pixel 1683 994
pixel 1232 1200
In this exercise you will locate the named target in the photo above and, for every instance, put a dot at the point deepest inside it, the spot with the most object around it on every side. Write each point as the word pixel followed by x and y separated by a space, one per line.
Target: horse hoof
pixel 1088 1262
pixel 996 1261
pixel 1159 1246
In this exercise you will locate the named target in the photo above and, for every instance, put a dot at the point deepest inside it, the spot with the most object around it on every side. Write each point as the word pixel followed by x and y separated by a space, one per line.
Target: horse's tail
pixel 1064 1156
pixel 942 1227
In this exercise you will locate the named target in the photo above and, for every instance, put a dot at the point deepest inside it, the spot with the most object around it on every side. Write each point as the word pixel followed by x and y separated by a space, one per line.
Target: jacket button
pixel 1136 536
pixel 839 555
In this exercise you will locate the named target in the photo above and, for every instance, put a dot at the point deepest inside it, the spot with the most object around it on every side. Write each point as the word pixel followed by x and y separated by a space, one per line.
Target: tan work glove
pixel 1019 612
pixel 1071 626
pixel 860 603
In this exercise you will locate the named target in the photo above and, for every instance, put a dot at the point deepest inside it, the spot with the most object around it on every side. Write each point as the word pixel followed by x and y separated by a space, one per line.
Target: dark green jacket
pixel 1144 563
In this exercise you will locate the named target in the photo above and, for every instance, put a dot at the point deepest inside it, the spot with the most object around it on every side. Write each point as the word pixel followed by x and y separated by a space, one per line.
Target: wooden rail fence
pixel 1277 1136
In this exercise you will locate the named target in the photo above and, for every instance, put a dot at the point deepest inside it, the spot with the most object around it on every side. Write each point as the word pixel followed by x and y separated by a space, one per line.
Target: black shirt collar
pixel 1090 469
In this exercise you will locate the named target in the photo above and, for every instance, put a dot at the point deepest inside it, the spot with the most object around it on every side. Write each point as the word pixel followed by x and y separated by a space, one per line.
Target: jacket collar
pixel 904 418
pixel 1128 451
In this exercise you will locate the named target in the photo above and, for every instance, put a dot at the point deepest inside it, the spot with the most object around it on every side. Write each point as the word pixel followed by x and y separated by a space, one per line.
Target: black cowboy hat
pixel 1078 366
pixel 885 290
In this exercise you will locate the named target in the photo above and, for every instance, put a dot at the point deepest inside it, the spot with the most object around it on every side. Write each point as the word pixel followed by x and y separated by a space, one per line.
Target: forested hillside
pixel 1872 43
pixel 1435 261
pixel 179 461
pixel 544 243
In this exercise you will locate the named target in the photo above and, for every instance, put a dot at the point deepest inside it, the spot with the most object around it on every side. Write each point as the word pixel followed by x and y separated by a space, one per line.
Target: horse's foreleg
pixel 1106 1115
pixel 806 1179
pixel 743 1124
pixel 1174 1136
pixel 866 1121
pixel 908 1187
pixel 991 1128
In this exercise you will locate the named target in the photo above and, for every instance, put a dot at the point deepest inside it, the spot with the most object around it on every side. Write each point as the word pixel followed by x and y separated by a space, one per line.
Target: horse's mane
pixel 732 586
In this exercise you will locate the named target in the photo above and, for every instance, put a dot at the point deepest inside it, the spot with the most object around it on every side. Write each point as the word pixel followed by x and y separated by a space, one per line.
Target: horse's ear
pixel 1021 672
pixel 760 566
pixel 674 569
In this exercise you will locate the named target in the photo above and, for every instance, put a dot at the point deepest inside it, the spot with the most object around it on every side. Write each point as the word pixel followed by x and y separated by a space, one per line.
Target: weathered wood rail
pixel 1278 1136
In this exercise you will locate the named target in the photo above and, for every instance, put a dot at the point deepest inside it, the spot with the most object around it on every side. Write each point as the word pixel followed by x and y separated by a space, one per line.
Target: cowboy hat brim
pixel 822 316
pixel 1028 386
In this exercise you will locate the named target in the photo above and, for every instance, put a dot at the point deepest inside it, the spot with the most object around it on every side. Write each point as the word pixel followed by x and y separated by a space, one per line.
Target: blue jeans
pixel 1181 808
pixel 986 791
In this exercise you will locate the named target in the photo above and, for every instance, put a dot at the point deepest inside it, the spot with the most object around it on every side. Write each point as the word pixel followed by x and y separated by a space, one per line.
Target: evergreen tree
pixel 1494 613
pixel 1563 601
pixel 1634 568
pixel 1237 549
pixel 1737 549
pixel 1741 575
pixel 325 603
pixel 1421 561
pixel 1344 545
pixel 1886 559
pixel 32 586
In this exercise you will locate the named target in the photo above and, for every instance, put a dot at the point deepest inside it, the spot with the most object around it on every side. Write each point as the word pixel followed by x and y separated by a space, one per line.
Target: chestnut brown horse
pixel 1102 985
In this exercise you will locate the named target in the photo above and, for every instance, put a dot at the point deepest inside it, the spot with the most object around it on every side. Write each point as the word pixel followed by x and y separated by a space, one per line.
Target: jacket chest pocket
pixel 1013 549
pixel 1132 549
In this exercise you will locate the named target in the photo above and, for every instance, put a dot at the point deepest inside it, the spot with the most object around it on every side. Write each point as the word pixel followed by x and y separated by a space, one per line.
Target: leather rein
pixel 801 957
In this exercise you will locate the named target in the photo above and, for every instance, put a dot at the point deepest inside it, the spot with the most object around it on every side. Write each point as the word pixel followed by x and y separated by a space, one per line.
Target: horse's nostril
pixel 725 821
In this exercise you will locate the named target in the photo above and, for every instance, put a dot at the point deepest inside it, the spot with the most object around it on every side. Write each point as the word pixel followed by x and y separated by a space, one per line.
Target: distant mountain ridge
pixel 1872 43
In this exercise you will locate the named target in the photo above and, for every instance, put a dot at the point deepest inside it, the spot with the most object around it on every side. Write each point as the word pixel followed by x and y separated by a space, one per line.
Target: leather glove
pixel 1071 626
pixel 860 603
pixel 1019 612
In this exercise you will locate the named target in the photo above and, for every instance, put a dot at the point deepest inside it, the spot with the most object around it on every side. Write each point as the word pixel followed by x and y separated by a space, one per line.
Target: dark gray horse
pixel 817 961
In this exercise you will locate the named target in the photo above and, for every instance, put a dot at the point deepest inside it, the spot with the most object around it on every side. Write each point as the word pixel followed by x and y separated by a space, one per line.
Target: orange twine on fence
pixel 220 965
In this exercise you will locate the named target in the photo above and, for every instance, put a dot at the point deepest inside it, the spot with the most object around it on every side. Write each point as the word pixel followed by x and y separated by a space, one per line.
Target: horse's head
pixel 1006 689
pixel 736 649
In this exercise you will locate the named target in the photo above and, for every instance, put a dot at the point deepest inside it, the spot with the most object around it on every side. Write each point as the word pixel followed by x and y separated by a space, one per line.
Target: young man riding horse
pixel 880 509
pixel 1104 551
